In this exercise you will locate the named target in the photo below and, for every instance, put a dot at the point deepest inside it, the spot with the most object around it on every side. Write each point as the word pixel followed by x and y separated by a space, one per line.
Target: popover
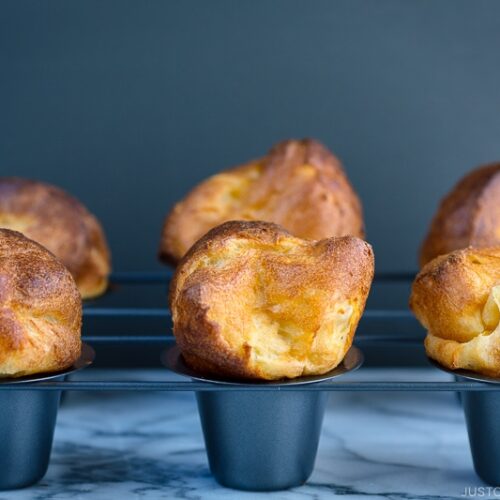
pixel 59 222
pixel 299 185
pixel 456 297
pixel 468 216
pixel 40 309
pixel 251 301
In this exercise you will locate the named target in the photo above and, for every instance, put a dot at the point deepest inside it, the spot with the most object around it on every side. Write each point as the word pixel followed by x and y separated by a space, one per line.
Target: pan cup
pixel 458 393
pixel 27 424
pixel 482 416
pixel 262 440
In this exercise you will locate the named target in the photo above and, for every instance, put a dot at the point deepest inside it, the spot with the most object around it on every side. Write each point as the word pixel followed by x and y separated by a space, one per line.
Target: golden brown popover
pixel 251 301
pixel 40 309
pixel 456 297
pixel 299 185
pixel 468 216
pixel 59 222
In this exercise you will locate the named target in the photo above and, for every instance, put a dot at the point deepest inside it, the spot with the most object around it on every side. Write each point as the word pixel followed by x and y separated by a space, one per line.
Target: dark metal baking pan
pixel 27 423
pixel 258 441
pixel 482 415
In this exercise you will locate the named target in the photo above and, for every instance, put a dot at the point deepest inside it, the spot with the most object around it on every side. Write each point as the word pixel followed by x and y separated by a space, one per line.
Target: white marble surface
pixel 150 446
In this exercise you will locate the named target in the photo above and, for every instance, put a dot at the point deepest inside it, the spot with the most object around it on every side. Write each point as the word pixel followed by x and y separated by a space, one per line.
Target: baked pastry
pixel 251 301
pixel 299 185
pixel 40 309
pixel 456 297
pixel 60 223
pixel 468 216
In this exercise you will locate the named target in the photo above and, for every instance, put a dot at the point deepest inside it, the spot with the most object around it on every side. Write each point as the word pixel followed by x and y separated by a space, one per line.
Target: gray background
pixel 128 104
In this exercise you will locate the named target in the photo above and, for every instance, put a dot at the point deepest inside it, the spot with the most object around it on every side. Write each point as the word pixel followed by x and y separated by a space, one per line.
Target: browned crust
pixel 340 267
pixel 40 309
pixel 468 216
pixel 449 297
pixel 299 185
pixel 60 223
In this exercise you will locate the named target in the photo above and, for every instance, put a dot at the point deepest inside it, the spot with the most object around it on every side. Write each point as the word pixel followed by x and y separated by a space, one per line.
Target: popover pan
pixel 262 441
pixel 27 423
pixel 482 415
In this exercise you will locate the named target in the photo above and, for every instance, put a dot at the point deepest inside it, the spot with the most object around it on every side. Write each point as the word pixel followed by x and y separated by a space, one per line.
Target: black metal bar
pixel 144 312
pixel 186 386
pixel 390 338
pixel 137 312
pixel 166 338
pixel 131 339
pixel 388 314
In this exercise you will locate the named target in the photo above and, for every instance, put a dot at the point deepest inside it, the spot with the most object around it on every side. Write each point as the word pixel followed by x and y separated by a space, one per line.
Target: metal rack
pixel 130 279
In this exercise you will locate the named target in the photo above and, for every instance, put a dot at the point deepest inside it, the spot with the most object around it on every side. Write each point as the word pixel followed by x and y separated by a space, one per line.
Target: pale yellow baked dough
pixel 251 301
pixel 456 297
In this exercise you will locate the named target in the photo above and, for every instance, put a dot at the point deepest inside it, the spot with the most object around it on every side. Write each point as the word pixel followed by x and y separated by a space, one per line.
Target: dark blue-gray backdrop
pixel 127 104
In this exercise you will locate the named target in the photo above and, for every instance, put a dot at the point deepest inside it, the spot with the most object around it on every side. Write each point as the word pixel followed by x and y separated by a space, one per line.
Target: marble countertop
pixel 150 446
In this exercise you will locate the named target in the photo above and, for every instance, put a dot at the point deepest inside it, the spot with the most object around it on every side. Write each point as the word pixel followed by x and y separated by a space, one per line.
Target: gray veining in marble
pixel 149 446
